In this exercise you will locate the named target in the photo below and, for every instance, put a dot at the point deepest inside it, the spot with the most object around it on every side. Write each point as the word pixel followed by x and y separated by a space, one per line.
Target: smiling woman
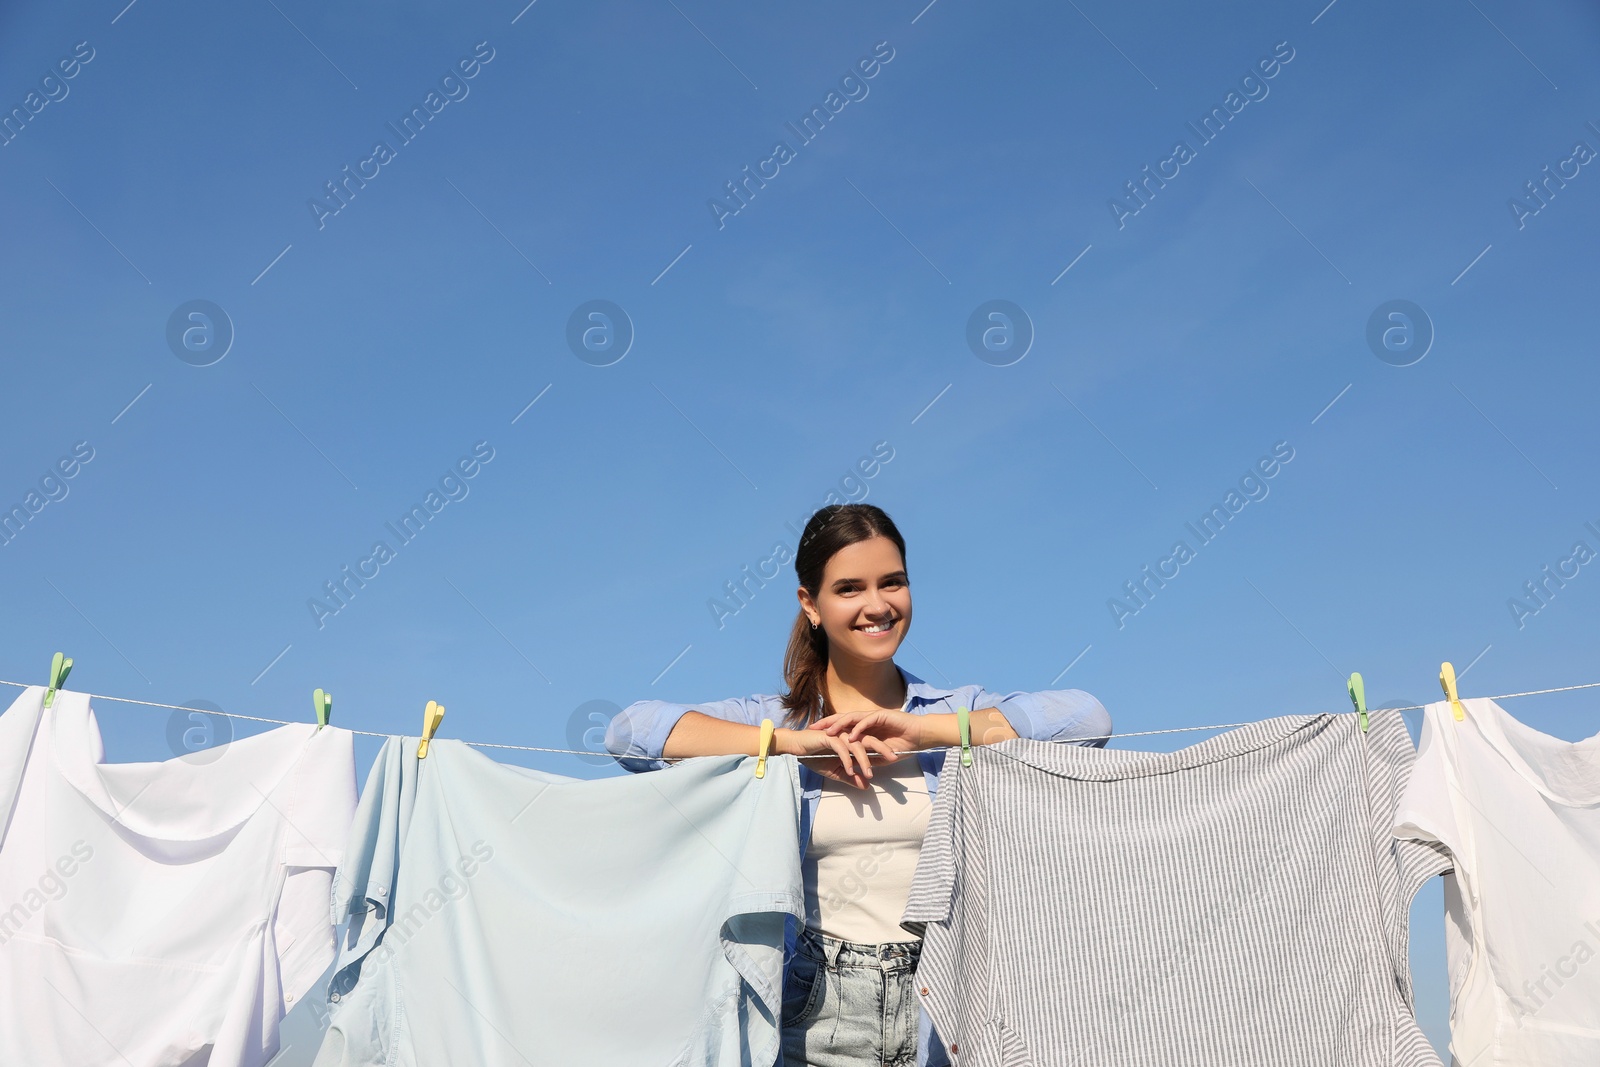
pixel 850 992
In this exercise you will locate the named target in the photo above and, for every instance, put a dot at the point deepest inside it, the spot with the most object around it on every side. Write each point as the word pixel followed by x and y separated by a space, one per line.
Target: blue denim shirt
pixel 637 735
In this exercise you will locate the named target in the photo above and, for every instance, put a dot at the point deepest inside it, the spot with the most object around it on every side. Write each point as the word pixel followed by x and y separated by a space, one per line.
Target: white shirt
pixel 1520 813
pixel 161 913
pixel 863 852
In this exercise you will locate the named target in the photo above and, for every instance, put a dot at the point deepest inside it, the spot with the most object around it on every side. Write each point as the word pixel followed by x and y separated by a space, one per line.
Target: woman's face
pixel 864 604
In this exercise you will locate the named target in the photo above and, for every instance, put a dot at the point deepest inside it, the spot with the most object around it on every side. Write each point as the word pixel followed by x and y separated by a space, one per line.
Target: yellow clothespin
pixel 432 715
pixel 1447 679
pixel 1358 697
pixel 764 748
pixel 60 667
pixel 964 724
pixel 323 702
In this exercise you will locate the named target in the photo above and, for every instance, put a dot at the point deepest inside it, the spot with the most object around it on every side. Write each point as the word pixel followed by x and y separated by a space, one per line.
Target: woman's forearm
pixel 987 726
pixel 699 734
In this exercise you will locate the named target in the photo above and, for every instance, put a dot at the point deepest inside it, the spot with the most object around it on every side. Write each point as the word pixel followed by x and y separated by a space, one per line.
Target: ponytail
pixel 805 670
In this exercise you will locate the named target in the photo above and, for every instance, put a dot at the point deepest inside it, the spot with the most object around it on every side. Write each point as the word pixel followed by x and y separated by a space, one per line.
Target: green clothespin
pixel 962 721
pixel 324 705
pixel 60 667
pixel 1358 697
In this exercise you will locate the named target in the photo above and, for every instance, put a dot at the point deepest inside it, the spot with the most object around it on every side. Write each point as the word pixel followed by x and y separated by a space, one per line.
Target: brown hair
pixel 805 663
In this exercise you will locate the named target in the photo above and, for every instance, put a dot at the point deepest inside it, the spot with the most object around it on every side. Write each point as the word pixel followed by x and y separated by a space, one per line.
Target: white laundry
pixel 156 914
pixel 1520 813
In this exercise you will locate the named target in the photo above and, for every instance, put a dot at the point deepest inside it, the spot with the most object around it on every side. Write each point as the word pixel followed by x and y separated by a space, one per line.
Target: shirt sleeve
pixel 1052 715
pixel 933 883
pixel 1424 811
pixel 360 1008
pixel 948 905
pixel 638 733
pixel 17 727
pixel 370 865
pixel 1402 862
pixel 317 812
pixel 1425 818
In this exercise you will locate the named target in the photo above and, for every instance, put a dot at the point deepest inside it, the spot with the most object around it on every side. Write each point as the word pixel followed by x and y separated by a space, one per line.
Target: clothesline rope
pixel 592 752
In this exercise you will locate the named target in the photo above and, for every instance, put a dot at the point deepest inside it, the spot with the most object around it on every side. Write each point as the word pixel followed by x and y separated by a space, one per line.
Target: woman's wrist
pixel 938 731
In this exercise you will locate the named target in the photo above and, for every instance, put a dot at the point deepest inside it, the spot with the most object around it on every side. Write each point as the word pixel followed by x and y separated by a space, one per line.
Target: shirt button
pixel 923 991
pixel 334 998
pixel 954 1049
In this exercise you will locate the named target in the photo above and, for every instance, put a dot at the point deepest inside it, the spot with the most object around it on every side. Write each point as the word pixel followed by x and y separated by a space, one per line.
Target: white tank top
pixel 863 851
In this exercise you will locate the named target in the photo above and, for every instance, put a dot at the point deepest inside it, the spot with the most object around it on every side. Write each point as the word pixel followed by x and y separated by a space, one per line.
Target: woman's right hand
pixel 852 758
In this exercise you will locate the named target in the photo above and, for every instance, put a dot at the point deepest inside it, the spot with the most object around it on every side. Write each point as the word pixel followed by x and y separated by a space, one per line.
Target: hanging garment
pixel 1520 813
pixel 158 914
pixel 504 916
pixel 1239 902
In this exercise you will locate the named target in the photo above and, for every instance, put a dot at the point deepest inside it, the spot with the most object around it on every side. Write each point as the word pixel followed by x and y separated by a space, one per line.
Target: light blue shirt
pixel 505 916
pixel 637 735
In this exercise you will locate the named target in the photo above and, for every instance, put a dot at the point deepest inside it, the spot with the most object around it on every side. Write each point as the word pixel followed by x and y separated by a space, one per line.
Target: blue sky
pixel 774 349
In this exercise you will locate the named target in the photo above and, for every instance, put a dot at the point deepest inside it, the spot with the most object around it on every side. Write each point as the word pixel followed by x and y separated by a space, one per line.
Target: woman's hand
pixel 902 731
pixel 853 762
pixel 897 731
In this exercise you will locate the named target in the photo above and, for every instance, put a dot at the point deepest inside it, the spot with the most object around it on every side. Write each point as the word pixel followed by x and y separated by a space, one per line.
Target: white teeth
pixel 879 628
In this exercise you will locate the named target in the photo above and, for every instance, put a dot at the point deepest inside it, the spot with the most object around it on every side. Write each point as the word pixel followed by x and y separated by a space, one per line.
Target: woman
pixel 849 992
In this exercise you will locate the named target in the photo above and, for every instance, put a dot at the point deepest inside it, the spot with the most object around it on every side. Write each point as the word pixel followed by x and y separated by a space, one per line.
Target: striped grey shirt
pixel 1239 902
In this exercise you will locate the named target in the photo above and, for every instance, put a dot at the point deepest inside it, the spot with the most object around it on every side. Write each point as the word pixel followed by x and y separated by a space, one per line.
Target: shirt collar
pixel 917 689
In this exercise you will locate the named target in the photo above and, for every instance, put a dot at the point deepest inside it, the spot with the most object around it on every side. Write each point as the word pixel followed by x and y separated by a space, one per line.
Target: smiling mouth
pixel 878 628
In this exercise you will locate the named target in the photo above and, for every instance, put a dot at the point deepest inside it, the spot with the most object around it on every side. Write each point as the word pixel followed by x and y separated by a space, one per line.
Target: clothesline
pixel 826 755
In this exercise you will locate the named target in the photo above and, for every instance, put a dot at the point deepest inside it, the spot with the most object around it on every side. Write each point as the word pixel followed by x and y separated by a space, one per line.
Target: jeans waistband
pixel 890 955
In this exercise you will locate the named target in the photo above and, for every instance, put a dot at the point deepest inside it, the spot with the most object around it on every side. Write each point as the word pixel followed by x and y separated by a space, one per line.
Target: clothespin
pixel 1447 679
pixel 432 715
pixel 60 667
pixel 1358 697
pixel 323 702
pixel 963 722
pixel 764 748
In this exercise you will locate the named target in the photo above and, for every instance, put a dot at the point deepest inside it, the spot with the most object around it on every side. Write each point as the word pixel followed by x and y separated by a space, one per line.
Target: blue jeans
pixel 850 1005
